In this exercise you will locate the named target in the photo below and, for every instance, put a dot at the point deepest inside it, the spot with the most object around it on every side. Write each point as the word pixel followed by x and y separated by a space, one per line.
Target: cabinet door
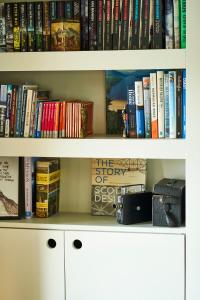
pixel 29 267
pixel 130 266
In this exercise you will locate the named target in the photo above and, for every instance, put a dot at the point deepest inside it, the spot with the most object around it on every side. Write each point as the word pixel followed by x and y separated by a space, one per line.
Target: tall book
pixel 147 106
pixel 69 8
pixel 166 95
pixel 184 104
pixel 172 104
pixel 108 175
pixel 131 111
pixel 124 35
pixel 100 25
pixel 92 5
pixel 13 110
pixel 8 110
pixel 3 105
pixel 176 24
pixel 9 26
pixel 108 25
pixel 31 26
pixel 16 27
pixel 84 25
pixel 46 26
pixel 139 101
pixel 28 187
pixel 23 26
pixel 38 26
pixel 183 22
pixel 116 24
pixel 144 42
pixel 161 104
pixel 179 108
pixel 169 25
pixel 154 106
pixel 158 24
pixel 2 28
pixel 136 24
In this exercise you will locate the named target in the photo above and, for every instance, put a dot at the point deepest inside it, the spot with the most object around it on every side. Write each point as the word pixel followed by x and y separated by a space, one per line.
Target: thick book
pixel 172 104
pixel 92 15
pixel 161 104
pixel 136 24
pixel 38 26
pixel 23 26
pixel 16 27
pixel 144 42
pixel 179 108
pixel 116 24
pixel 154 106
pixel 100 24
pixel 46 25
pixel 9 26
pixel 169 25
pixel 57 36
pixel 158 25
pixel 2 28
pixel 183 22
pixel 184 104
pixel 131 112
pixel 31 26
pixel 124 35
pixel 176 15
pixel 3 105
pixel 139 101
pixel 84 25
pixel 108 175
pixel 166 95
pixel 147 106
pixel 71 35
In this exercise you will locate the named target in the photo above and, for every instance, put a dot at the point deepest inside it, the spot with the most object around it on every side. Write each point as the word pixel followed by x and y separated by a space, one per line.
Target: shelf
pixel 72 221
pixel 93 60
pixel 95 147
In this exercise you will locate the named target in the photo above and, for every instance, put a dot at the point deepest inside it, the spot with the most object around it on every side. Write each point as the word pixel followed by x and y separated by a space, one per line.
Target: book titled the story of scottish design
pixel 9 187
pixel 108 176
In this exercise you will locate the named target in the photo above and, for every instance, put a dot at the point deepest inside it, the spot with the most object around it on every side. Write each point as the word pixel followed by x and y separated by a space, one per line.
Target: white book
pixel 154 106
pixel 28 186
pixel 28 112
pixel 33 112
pixel 161 104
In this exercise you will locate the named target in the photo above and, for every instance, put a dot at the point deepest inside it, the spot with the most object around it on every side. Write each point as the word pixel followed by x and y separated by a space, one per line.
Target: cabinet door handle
pixel 51 243
pixel 77 244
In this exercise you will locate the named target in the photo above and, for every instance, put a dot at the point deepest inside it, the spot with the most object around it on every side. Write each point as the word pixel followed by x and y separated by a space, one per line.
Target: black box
pixel 134 208
pixel 168 203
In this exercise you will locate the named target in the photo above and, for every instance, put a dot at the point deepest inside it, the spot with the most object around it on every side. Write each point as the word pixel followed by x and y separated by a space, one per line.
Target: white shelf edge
pixel 87 222
pixel 95 147
pixel 93 60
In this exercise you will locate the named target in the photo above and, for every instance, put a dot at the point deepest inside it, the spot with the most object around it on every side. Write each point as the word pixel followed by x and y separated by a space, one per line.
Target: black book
pixel 100 24
pixel 60 10
pixel 9 26
pixel 46 26
pixel 179 110
pixel 136 25
pixel 23 26
pixel 38 26
pixel 69 9
pixel 108 25
pixel 125 25
pixel 77 10
pixel 145 24
pixel 16 27
pixel 53 10
pixel 84 25
pixel 92 25
pixel 158 42
pixel 31 26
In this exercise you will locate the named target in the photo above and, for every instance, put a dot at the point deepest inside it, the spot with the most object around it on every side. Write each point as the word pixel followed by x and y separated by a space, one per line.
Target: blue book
pixel 184 105
pixel 139 100
pixel 172 104
pixel 18 112
pixel 131 111
pixel 169 26
pixel 166 95
pixel 23 112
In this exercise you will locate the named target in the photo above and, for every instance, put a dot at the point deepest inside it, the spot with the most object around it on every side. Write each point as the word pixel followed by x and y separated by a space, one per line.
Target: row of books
pixel 92 25
pixel 146 103
pixel 27 112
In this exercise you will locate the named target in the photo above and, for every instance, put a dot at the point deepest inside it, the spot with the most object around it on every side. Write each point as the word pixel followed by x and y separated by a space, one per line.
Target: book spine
pixel 84 25
pixel 2 28
pixel 38 26
pixel 92 25
pixel 16 27
pixel 136 24
pixel 23 26
pixel 169 25
pixel 13 111
pixel 125 25
pixel 166 94
pixel 60 10
pixel 44 113
pixel 3 105
pixel 8 110
pixel 147 106
pixel 9 26
pixel 139 101
pixel 63 129
pixel 158 30
pixel 28 187
pixel 145 24
pixel 184 104
pixel 23 111
pixel 154 106
pixel 47 119
pixel 39 122
pixel 28 113
pixel 100 25
pixel 53 10
pixel 69 9
pixel 77 10
pixel 33 112
pixel 56 120
pixel 151 23
pixel 31 26
pixel 183 22
pixel 46 27
pixel 172 104
pixel 179 103
pixel 161 104
pixel 108 25
pixel 176 24
pixel 131 111
pixel 116 21
pixel 36 119
pixel 18 112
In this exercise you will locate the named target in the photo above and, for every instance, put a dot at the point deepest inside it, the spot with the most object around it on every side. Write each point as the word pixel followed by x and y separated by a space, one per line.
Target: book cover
pixel 38 26
pixel 85 119
pixel 16 27
pixel 23 26
pixel 145 24
pixel 158 25
pixel 124 35
pixel 9 26
pixel 100 24
pixel 166 95
pixel 169 25
pixel 84 25
pixel 172 104
pixel 136 24
pixel 71 32
pixel 116 24
pixel 147 106
pixel 57 36
pixel 179 108
pixel 184 104
pixel 108 175
pixel 92 24
pixel 154 106
pixel 183 22
pixel 131 112
pixel 2 28
pixel 116 96
pixel 139 101
pixel 9 187
pixel 161 104
pixel 176 24
pixel 46 26
pixel 3 105
pixel 31 26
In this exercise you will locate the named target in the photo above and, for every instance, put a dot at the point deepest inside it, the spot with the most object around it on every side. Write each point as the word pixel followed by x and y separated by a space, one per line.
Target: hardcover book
pixel 71 31
pixel 23 26
pixel 2 28
pixel 16 27
pixel 108 175
pixel 31 25
pixel 9 26
pixel 57 36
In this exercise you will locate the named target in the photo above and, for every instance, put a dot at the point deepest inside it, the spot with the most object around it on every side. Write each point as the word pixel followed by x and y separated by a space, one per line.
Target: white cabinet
pixel 29 268
pixel 130 266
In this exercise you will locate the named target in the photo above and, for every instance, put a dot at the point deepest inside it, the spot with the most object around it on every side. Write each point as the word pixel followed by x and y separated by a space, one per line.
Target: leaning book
pixel 108 176
pixel 9 188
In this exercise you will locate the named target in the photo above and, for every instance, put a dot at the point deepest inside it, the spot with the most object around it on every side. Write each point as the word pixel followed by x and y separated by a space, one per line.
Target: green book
pixel 183 22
